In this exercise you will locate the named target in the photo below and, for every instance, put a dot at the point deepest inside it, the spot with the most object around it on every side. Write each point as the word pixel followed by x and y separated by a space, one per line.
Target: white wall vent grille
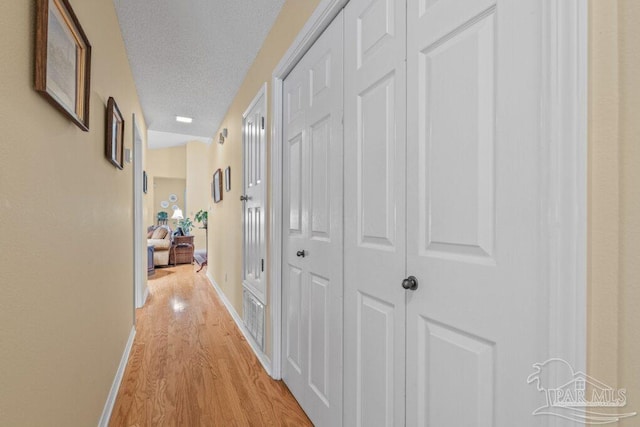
pixel 253 317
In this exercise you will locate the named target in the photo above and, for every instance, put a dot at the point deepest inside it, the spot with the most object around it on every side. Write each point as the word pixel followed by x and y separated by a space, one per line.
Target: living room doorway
pixel 139 260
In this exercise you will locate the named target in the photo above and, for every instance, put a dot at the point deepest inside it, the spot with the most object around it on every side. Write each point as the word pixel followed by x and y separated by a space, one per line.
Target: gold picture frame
pixel 115 134
pixel 63 60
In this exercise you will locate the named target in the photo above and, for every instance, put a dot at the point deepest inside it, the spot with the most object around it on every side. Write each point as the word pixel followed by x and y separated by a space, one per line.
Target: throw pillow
pixel 159 233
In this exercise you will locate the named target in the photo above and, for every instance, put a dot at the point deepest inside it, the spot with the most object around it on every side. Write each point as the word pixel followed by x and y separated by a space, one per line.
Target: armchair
pixel 160 239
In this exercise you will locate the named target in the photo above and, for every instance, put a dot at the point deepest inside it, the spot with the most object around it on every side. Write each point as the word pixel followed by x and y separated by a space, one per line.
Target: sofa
pixel 160 238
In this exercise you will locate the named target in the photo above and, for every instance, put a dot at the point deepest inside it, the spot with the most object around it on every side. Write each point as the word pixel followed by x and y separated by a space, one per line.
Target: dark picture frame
pixel 227 178
pixel 216 186
pixel 63 60
pixel 145 184
pixel 115 134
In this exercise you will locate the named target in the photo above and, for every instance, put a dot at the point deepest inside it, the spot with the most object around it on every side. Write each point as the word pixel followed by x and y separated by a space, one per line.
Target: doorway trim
pixel 139 267
pixel 563 131
pixel 564 149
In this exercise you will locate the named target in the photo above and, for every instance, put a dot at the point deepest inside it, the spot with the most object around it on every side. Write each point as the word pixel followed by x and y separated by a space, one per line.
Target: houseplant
pixel 202 217
pixel 186 224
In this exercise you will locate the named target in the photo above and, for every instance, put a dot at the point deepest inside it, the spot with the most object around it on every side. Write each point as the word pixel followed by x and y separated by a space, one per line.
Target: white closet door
pixel 312 244
pixel 375 122
pixel 475 325
pixel 254 143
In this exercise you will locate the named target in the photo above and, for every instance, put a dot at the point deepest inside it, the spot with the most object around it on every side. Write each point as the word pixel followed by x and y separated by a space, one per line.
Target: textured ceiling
pixel 189 57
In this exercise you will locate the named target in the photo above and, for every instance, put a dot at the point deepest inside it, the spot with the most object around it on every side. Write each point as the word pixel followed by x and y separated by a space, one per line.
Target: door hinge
pixel 262 264
pixel 263 123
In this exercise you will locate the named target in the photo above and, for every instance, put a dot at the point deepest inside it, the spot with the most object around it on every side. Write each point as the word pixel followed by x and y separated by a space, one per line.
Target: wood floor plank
pixel 191 366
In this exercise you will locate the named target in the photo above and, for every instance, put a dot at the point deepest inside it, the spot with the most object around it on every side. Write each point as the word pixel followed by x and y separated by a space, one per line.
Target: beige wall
pixel 66 261
pixel 614 202
pixel 168 162
pixel 603 191
pixel 162 189
pixel 225 219
pixel 198 186
pixel 164 162
pixel 629 46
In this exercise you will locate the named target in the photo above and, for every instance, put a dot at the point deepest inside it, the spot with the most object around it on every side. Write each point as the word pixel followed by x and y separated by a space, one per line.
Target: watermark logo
pixel 574 395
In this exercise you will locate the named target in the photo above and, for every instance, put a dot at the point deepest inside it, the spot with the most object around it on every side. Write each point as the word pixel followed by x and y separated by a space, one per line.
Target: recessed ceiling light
pixel 182 119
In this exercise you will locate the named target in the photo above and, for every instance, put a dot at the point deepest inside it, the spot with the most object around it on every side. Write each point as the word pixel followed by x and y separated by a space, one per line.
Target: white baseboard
pixel 111 398
pixel 264 360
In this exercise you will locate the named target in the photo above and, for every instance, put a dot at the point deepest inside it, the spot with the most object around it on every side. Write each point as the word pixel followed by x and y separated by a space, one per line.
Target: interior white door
pixel 375 252
pixel 476 322
pixel 254 144
pixel 312 224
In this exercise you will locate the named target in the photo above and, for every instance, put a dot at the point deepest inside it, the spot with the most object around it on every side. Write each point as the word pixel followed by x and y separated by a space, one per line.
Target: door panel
pixel 318 336
pixel 313 189
pixel 457 97
pixel 473 324
pixel 293 338
pixel 295 184
pixel 374 213
pixel 469 384
pixel 321 168
pixel 376 143
pixel 376 336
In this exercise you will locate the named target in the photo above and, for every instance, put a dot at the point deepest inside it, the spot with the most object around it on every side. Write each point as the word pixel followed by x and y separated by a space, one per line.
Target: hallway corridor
pixel 191 366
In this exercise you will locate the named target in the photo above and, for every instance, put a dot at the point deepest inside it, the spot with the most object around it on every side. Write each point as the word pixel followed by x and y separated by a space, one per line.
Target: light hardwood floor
pixel 191 366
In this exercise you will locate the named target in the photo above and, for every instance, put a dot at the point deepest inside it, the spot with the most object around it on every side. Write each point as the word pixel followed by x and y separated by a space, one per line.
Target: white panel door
pixel 254 143
pixel 312 223
pixel 375 103
pixel 475 324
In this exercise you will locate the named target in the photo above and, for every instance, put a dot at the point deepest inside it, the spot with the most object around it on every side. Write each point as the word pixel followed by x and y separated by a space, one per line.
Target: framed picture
pixel 115 134
pixel 145 187
pixel 227 178
pixel 63 60
pixel 216 186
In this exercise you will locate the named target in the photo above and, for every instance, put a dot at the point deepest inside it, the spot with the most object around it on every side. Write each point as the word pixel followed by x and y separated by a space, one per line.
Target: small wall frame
pixel 216 186
pixel 145 182
pixel 115 134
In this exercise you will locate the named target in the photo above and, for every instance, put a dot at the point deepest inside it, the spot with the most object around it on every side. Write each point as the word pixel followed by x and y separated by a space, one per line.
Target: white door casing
pixel 254 186
pixel 312 220
pixel 374 121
